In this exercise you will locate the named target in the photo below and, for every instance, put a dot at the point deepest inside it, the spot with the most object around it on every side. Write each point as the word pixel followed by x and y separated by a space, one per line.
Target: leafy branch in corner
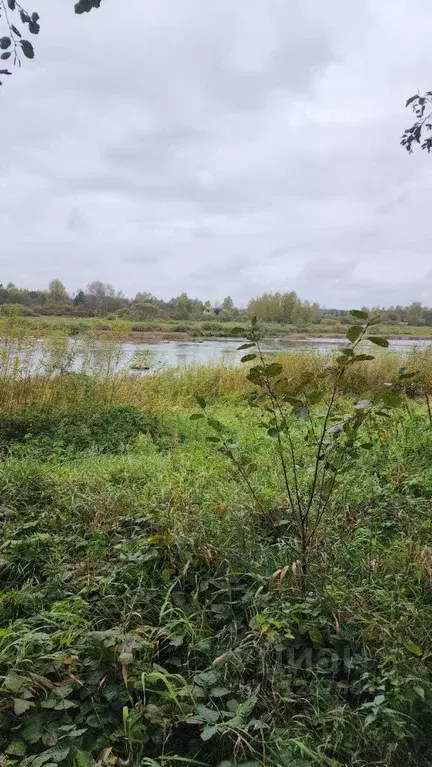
pixel 13 45
pixel 421 105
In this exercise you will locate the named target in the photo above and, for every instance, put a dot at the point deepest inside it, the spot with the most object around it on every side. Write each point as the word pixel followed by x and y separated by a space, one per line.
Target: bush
pixel 109 428
pixel 17 310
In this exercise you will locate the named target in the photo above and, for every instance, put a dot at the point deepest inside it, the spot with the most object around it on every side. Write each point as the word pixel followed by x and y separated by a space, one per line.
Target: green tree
pixel 57 292
pixel 414 313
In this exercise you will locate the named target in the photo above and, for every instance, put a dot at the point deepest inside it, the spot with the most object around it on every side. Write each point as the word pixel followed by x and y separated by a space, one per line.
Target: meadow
pixel 156 604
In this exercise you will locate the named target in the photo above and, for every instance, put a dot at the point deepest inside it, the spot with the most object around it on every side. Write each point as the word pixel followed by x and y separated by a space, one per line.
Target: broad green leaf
pixel 21 706
pixel 33 729
pixel 207 714
pixel 272 432
pixel 379 341
pixel 354 332
pixel 315 635
pixel 196 416
pixel 378 700
pixel 27 49
pixel 11 4
pixel 245 346
pixel 358 314
pixel 14 682
pixel 201 401
pixel 208 732
pixel 5 43
pixel 16 747
pixel 219 692
pixel 414 649
pixel 125 658
pixel 272 370
pixel 6 55
pixel 215 424
pixel 248 357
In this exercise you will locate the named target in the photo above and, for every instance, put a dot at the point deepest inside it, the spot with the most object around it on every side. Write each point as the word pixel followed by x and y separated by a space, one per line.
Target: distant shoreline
pixel 155 331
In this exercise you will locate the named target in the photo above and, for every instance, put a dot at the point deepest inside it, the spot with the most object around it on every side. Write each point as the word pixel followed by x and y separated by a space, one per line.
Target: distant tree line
pixel 99 299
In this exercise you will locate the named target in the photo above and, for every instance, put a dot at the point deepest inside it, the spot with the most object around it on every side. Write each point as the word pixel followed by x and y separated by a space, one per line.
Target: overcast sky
pixel 220 147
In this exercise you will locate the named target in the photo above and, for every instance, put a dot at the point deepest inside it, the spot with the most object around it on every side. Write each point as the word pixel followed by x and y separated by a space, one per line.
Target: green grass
pixel 151 615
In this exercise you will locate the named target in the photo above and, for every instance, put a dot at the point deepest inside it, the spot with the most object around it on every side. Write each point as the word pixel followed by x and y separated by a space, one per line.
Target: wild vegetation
pixel 216 565
pixel 100 308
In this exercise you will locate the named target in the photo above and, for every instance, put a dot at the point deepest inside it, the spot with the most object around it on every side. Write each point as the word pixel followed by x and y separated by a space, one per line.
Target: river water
pixel 178 353
pixel 102 357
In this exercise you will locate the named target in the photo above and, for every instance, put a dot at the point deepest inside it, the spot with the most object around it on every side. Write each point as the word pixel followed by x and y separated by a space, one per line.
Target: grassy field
pixel 153 610
pixel 157 329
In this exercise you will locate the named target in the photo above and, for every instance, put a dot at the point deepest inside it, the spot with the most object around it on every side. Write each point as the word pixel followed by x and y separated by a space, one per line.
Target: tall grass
pixel 149 614
pixel 30 371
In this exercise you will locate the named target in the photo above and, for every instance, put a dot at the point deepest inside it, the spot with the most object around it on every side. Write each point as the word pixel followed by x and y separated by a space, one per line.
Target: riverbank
pixel 154 331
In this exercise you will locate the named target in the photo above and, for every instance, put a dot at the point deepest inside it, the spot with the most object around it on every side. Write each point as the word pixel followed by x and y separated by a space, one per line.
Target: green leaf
pixel 11 4
pixel 201 401
pixel 196 416
pixel 272 432
pixel 53 755
pixel 16 747
pixel 315 635
pixel 219 692
pixel 27 49
pixel 207 714
pixel 248 357
pixel 272 370
pixel 13 682
pixel 16 31
pixel 5 43
pixel 354 332
pixel 216 425
pixel 33 729
pixel 359 315
pixel 414 649
pixel 379 341
pixel 208 732
pixel 6 55
pixel 125 658
pixel 21 706
pixel 245 346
